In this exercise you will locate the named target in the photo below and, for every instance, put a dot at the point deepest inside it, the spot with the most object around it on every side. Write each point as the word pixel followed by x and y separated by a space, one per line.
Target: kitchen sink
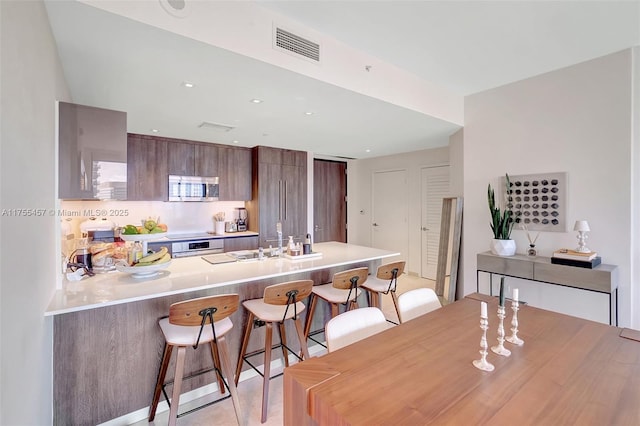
pixel 249 255
pixel 236 256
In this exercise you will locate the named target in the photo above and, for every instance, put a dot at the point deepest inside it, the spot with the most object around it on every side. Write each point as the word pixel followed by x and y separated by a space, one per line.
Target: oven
pixel 194 246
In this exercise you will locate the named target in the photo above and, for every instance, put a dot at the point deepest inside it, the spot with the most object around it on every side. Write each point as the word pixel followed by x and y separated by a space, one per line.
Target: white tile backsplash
pixel 180 217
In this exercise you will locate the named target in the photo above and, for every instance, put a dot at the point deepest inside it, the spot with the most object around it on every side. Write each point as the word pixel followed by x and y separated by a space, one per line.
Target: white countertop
pixel 205 235
pixel 194 273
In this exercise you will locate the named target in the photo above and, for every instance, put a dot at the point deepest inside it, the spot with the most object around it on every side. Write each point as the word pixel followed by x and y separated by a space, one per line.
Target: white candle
pixel 515 294
pixel 483 309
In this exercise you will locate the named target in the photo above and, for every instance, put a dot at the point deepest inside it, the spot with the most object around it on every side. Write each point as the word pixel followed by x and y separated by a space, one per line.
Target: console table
pixel 601 279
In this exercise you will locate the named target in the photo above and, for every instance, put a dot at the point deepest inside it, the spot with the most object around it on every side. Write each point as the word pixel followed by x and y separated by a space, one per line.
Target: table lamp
pixel 582 226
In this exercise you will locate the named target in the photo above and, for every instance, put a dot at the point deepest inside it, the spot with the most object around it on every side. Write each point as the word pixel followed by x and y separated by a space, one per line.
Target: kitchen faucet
pixel 279 231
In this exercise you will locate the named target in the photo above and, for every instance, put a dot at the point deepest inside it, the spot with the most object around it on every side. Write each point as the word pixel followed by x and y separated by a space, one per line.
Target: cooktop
pixel 189 236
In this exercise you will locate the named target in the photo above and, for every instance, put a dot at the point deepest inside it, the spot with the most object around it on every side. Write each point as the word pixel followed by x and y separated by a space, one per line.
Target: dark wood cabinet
pixel 280 194
pixel 241 243
pixel 207 160
pixel 235 174
pixel 181 158
pixel 154 158
pixel 147 168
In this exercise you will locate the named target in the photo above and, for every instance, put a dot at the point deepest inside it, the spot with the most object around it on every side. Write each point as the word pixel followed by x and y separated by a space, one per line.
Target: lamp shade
pixel 581 225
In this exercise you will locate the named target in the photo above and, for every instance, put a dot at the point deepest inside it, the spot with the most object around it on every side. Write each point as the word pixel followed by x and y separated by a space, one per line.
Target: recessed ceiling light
pixel 367 150
pixel 235 141
pixel 188 84
pixel 256 101
pixel 155 130
pixel 308 113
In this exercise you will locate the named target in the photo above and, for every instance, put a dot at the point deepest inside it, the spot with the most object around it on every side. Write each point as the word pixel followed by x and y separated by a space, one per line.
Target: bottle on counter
pixel 306 247
pixel 135 253
pixel 291 246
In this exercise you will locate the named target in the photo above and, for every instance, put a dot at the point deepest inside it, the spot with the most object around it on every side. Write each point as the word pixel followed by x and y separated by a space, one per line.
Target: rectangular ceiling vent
pixel 296 44
pixel 216 126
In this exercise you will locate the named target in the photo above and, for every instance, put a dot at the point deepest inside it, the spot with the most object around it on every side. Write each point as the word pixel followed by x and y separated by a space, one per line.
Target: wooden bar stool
pixel 281 302
pixel 188 325
pixel 385 282
pixel 343 290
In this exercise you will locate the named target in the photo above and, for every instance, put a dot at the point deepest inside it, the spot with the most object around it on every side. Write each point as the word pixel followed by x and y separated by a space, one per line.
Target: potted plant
pixel 502 222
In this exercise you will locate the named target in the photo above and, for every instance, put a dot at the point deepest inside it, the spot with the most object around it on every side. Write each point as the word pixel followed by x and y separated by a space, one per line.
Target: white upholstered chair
pixel 417 302
pixel 352 326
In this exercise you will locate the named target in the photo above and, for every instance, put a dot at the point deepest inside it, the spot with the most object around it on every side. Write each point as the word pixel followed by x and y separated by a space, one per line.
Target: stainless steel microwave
pixel 193 188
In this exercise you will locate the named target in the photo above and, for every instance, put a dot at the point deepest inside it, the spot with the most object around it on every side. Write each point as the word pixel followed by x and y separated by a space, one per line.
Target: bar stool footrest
pixel 261 351
pixel 191 376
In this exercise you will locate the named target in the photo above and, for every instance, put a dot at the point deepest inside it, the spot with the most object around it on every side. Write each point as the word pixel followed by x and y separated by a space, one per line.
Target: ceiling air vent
pixel 216 126
pixel 293 43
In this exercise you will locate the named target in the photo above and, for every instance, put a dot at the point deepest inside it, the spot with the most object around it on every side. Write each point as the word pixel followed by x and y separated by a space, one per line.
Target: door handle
pixel 279 200
pixel 317 228
pixel 375 224
pixel 424 228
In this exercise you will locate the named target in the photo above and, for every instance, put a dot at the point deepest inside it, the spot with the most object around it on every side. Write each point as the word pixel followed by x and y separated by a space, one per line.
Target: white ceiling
pixel 471 46
pixel 114 62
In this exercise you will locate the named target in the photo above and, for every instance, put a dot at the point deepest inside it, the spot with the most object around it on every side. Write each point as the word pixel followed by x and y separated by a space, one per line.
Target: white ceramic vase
pixel 219 228
pixel 503 247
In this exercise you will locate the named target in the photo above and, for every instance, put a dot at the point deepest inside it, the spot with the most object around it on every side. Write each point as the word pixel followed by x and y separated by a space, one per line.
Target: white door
pixel 434 187
pixel 390 210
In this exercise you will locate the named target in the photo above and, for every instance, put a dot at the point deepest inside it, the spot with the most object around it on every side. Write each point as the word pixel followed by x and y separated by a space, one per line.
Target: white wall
pixel 635 194
pixel 31 81
pixel 359 193
pixel 575 120
pixel 180 217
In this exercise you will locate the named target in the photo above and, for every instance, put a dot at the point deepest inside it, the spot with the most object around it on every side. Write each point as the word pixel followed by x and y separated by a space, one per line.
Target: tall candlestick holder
pixel 482 363
pixel 499 348
pixel 514 325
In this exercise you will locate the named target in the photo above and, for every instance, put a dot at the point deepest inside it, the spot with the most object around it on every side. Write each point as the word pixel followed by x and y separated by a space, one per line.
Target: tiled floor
pixel 250 391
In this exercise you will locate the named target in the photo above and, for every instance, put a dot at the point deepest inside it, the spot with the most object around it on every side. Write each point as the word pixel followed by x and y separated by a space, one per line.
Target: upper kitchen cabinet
pixel 235 174
pixel 280 194
pixel 92 153
pixel 154 158
pixel 147 168
pixel 181 158
pixel 207 160
pixel 187 158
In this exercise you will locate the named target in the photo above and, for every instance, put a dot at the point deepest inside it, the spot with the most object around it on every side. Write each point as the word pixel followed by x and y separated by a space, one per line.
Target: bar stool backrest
pixel 279 294
pixel 188 312
pixel 390 272
pixel 344 280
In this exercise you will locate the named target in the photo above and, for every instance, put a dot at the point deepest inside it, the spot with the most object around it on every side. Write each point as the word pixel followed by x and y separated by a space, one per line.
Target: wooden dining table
pixel 569 371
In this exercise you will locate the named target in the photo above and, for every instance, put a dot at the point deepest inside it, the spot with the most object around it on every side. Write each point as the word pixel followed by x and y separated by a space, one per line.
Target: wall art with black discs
pixel 539 201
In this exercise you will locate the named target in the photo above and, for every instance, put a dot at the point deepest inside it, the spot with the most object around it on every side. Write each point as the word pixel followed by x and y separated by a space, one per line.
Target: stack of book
pixel 575 258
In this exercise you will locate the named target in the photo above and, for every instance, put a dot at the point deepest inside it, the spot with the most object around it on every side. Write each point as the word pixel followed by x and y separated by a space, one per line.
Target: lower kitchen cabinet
pixel 240 243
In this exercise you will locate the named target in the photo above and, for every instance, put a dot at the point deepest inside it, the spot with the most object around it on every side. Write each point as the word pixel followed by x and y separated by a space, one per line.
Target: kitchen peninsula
pixel 108 346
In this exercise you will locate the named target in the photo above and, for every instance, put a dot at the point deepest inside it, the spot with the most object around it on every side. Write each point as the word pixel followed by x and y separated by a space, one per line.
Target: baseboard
pixel 143 413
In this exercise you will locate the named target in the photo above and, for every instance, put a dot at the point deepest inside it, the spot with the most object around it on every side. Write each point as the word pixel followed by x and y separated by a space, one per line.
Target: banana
pixel 153 257
pixel 164 259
